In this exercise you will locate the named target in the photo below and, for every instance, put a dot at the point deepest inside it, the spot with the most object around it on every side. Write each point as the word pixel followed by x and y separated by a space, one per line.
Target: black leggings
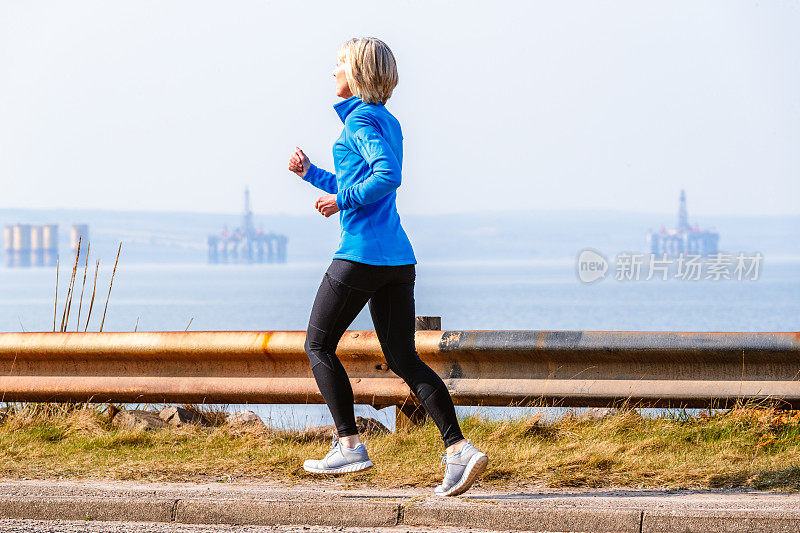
pixel 346 287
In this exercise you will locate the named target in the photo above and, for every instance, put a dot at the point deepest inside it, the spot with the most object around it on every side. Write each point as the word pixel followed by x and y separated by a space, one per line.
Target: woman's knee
pixel 405 363
pixel 422 380
pixel 316 348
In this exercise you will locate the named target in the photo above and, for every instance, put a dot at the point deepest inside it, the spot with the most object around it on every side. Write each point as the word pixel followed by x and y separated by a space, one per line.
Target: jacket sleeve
pixel 385 169
pixel 321 179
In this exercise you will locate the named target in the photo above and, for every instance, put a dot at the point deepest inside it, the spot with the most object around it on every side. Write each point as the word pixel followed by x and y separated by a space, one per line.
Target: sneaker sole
pixel 346 469
pixel 475 467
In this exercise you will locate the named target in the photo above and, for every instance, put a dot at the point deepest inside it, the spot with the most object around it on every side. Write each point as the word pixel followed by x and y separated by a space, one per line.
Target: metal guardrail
pixel 481 367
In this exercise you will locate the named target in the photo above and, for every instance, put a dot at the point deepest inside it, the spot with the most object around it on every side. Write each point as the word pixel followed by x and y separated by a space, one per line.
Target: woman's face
pixel 342 89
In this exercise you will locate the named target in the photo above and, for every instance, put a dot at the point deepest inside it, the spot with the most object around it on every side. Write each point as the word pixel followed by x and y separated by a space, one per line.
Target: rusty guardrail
pixel 481 367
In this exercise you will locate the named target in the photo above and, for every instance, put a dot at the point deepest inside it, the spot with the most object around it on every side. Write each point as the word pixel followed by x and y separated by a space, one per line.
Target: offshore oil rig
pixel 35 245
pixel 684 239
pixel 245 244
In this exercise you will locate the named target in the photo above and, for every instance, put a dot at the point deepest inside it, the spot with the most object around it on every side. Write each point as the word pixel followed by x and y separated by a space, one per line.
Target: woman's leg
pixel 392 310
pixel 335 307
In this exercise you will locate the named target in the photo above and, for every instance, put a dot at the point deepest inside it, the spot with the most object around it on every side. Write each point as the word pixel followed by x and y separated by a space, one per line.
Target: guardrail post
pixel 413 414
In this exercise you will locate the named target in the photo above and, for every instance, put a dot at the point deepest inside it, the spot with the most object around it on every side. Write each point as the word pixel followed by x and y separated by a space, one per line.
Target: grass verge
pixel 744 447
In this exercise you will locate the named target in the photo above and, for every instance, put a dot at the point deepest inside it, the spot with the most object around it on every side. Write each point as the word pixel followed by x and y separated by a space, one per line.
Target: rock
pixel 370 426
pixel 177 416
pixel 245 418
pixel 137 419
pixel 597 413
pixel 365 426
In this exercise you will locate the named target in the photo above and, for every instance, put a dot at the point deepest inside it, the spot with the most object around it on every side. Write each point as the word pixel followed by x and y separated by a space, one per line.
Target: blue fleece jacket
pixel 368 156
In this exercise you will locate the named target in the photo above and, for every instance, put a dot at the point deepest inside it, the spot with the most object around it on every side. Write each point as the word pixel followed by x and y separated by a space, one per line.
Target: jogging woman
pixel 375 264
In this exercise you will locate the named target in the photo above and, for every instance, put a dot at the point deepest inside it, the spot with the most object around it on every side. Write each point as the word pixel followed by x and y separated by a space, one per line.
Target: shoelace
pixel 334 444
pixel 444 455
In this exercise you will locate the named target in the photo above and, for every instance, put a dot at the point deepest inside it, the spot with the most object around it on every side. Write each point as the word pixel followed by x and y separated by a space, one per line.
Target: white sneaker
pixel 461 470
pixel 340 460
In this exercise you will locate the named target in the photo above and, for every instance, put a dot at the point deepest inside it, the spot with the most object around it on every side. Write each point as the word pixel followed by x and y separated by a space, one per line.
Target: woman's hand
pixel 327 204
pixel 299 163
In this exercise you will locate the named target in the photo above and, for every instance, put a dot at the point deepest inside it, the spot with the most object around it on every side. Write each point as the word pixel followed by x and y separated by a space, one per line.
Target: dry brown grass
pixel 743 447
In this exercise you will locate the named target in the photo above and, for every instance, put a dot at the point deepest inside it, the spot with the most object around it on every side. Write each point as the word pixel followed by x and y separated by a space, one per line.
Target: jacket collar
pixel 345 107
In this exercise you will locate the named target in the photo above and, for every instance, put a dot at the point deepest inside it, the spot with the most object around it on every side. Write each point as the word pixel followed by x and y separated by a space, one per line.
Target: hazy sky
pixel 177 105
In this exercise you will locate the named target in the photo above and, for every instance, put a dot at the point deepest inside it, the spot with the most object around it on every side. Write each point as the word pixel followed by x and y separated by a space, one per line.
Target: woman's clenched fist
pixel 299 163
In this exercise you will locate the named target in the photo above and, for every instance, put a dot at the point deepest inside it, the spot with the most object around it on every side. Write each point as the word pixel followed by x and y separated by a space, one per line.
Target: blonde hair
pixel 370 69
